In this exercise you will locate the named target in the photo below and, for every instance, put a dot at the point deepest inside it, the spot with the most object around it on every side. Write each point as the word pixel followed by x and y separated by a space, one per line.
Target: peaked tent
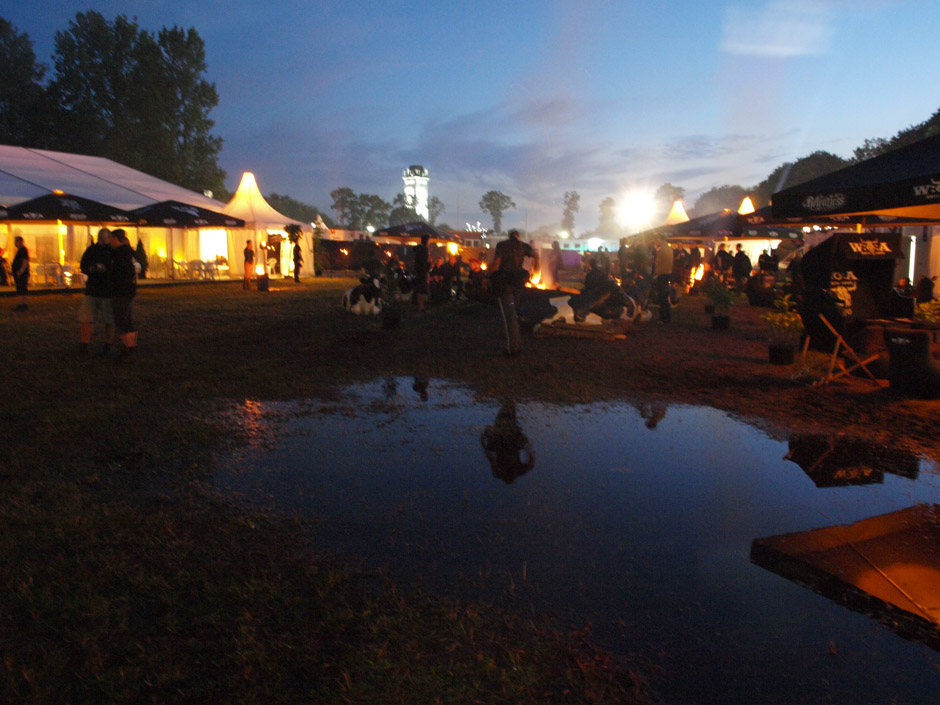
pixel 904 182
pixel 263 221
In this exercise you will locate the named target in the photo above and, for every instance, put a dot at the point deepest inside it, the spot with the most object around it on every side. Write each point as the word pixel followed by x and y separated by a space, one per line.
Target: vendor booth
pixel 849 278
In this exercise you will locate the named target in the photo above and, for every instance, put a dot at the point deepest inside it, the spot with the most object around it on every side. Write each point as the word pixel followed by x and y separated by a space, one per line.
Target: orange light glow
pixel 259 269
pixel 697 274
pixel 535 281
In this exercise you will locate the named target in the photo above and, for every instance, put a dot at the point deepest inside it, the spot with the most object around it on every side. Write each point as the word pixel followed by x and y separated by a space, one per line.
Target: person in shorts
pixel 96 303
pixel 123 280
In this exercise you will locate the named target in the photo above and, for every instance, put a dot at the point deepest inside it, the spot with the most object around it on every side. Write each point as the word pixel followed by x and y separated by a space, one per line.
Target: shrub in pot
pixel 786 327
pixel 721 298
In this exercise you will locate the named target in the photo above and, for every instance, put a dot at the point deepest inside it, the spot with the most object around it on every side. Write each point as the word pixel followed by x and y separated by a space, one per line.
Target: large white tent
pixel 262 221
pixel 27 173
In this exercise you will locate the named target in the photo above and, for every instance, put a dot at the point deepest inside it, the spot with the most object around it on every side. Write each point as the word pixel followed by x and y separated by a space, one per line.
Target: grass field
pixel 127 579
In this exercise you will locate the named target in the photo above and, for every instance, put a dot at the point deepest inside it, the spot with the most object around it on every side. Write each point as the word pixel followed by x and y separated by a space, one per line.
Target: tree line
pixel 116 91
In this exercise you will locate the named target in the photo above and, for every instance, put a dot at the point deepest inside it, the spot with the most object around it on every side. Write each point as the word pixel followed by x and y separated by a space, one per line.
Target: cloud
pixel 779 29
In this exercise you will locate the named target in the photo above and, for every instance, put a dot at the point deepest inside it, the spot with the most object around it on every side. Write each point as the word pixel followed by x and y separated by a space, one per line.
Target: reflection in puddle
pixel 636 520
pixel 507 447
pixel 887 567
pixel 835 461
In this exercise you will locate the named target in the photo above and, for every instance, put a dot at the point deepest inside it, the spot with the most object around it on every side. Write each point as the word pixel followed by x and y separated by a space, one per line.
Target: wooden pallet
pixel 610 330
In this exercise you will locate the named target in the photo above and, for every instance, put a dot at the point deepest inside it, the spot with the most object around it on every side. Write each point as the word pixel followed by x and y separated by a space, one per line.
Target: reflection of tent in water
pixel 849 278
pixel 887 567
pixel 506 446
pixel 835 461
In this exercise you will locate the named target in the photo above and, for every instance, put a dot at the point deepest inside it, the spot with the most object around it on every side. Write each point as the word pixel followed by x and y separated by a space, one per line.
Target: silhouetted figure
pixel 506 446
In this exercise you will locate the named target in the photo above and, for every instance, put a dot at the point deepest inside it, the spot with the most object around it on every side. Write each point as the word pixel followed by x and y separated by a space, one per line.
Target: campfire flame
pixel 535 281
pixel 696 274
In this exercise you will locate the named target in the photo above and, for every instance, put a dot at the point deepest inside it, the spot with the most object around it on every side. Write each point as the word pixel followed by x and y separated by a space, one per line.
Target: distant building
pixel 416 188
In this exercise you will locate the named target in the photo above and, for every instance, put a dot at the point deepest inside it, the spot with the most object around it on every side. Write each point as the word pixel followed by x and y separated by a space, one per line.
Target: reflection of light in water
pixel 910 580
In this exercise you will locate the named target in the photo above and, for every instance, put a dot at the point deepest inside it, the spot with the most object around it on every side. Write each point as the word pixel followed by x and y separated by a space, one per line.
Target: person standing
pixel 123 281
pixel 741 267
pixel 554 265
pixel 509 278
pixel 96 303
pixel 422 272
pixel 722 261
pixel 298 261
pixel 249 264
pixel 664 263
pixel 20 268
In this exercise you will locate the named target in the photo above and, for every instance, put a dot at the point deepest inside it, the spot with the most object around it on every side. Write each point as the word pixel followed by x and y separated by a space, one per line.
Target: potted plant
pixel 786 327
pixel 721 298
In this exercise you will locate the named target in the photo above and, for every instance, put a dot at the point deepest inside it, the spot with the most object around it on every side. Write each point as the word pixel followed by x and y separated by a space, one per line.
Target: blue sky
pixel 537 97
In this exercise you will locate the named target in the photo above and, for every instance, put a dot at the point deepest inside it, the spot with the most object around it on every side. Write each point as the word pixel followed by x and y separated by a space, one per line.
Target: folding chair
pixel 835 359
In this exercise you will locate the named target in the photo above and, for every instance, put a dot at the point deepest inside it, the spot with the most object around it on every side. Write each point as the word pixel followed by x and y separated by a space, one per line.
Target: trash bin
pixel 264 283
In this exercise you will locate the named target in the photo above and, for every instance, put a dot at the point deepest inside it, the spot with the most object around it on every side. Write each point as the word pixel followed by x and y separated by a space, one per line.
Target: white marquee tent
pixel 262 221
pixel 29 173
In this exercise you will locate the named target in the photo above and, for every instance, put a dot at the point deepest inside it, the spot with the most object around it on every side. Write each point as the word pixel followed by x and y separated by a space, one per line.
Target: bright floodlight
pixel 637 209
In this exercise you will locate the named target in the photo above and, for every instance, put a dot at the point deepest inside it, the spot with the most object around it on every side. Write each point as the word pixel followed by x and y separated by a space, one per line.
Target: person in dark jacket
pixel 123 282
pixel 20 268
pixel 741 268
pixel 96 303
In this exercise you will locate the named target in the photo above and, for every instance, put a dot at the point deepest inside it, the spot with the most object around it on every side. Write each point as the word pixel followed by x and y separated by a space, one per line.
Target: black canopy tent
pixel 849 278
pixel 67 208
pixel 412 232
pixel 902 183
pixel 174 214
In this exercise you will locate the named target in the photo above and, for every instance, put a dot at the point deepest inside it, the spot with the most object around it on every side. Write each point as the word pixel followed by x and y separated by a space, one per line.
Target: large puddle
pixel 639 520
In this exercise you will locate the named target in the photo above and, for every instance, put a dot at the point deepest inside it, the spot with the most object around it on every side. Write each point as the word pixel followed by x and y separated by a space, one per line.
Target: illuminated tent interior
pixel 26 174
pixel 263 224
pixel 887 567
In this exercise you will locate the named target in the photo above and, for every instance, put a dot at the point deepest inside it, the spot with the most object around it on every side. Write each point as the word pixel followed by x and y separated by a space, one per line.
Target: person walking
pixel 249 254
pixel 123 282
pixel 20 269
pixel 508 279
pixel 96 303
pixel 664 263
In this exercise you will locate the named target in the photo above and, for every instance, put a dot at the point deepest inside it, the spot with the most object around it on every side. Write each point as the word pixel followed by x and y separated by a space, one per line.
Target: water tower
pixel 416 189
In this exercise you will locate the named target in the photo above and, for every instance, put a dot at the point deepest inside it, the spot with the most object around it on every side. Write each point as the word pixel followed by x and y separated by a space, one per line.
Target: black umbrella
pixel 904 182
pixel 184 215
pixel 413 230
pixel 65 207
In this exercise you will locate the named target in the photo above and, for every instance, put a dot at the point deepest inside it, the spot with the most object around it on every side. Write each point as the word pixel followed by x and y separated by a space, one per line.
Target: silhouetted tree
pixel 496 203
pixel 22 114
pixel 141 99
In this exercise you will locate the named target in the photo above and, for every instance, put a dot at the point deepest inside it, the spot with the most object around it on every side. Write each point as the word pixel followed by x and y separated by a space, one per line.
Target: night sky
pixel 535 98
